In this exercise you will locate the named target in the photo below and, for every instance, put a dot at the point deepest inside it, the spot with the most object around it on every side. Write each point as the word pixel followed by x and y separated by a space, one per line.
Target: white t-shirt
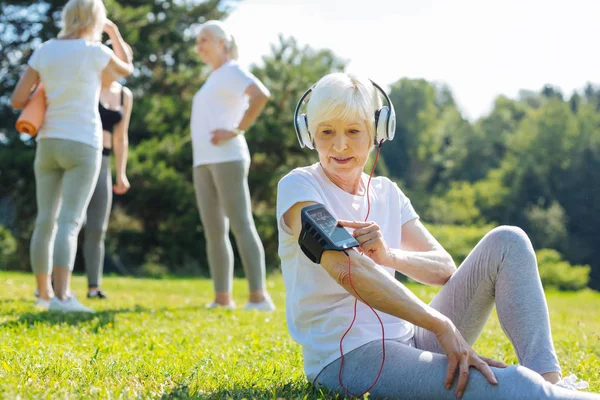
pixel 318 309
pixel 220 104
pixel 71 73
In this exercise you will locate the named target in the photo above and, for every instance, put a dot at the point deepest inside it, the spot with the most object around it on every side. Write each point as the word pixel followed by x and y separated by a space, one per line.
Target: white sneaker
pixel 213 305
pixel 571 382
pixel 42 304
pixel 69 305
pixel 265 305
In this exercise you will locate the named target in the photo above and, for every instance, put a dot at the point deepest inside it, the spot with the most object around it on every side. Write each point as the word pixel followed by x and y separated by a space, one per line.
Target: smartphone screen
pixel 328 224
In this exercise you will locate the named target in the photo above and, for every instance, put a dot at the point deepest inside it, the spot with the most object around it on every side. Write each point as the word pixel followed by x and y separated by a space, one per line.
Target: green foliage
pixel 534 161
pixel 418 105
pixel 8 248
pixel 153 339
pixel 457 206
pixel 559 274
pixel 550 225
pixel 17 184
pixel 458 240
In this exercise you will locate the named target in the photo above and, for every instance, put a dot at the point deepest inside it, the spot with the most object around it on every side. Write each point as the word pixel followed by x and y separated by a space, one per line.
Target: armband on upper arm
pixel 320 232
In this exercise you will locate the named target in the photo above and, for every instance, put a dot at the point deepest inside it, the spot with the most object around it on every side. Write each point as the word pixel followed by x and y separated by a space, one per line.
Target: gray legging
pixel 223 196
pixel 65 174
pixel 96 223
pixel 501 270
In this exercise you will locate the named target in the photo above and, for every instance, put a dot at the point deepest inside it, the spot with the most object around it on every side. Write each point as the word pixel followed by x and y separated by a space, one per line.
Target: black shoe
pixel 96 294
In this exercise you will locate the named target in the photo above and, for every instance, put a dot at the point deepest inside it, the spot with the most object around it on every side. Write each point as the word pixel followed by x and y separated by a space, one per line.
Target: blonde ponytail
pixel 232 48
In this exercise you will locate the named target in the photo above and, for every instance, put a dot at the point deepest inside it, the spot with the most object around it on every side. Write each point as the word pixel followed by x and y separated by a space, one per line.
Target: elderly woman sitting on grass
pixel 428 353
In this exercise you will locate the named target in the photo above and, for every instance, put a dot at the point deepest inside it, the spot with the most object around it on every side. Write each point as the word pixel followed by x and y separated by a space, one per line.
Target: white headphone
pixel 385 121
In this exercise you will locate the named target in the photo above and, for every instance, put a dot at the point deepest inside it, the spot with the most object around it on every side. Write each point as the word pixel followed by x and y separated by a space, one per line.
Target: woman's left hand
pixel 372 244
pixel 122 185
pixel 110 27
pixel 221 135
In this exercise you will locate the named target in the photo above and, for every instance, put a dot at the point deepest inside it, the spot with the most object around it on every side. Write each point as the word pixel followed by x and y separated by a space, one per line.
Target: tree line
pixel 533 161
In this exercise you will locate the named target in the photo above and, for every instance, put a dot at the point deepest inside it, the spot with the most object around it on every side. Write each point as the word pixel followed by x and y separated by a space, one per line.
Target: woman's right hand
pixel 462 356
pixel 369 235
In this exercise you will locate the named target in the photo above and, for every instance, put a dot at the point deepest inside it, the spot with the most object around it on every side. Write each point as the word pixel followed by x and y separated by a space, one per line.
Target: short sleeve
pixel 34 60
pixel 295 188
pixel 102 55
pixel 240 79
pixel 407 211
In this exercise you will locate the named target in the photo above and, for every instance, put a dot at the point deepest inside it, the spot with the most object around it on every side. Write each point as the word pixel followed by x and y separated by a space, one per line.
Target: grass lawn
pixel 154 339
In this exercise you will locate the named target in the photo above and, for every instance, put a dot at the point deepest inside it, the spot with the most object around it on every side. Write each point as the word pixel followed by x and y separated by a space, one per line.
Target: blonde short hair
pixel 220 31
pixel 342 96
pixel 83 15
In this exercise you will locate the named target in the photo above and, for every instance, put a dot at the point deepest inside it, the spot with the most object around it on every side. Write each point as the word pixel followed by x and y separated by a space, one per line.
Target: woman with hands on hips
pixel 428 353
pixel 222 110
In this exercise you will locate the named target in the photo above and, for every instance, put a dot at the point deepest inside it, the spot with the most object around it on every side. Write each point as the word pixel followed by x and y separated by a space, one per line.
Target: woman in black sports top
pixel 115 110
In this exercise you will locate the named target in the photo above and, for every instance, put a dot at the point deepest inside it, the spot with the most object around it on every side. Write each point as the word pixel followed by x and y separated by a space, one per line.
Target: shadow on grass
pixel 103 317
pixel 290 390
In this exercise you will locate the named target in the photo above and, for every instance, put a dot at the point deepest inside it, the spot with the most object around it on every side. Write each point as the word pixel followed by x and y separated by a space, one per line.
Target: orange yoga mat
pixel 32 116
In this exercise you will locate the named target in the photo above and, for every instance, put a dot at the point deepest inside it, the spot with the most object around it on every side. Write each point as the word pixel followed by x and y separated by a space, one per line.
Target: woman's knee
pixel 242 227
pixel 523 381
pixel 68 227
pixel 509 237
pixel 45 225
pixel 69 224
pixel 512 246
pixel 94 234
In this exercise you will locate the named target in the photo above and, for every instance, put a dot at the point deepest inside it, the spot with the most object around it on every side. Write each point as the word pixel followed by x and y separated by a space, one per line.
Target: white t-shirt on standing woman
pixel 71 72
pixel 220 104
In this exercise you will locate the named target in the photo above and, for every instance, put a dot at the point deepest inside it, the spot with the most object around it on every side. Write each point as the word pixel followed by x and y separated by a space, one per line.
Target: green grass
pixel 154 339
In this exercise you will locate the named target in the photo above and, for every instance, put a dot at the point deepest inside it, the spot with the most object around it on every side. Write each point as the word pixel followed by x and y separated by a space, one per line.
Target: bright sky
pixel 480 48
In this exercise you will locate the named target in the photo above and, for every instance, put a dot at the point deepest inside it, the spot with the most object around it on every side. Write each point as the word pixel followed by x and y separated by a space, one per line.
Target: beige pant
pixel 223 198
pixel 65 175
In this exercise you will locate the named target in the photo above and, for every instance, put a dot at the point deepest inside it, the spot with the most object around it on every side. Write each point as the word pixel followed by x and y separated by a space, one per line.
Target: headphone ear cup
pixel 381 124
pixel 392 126
pixel 302 131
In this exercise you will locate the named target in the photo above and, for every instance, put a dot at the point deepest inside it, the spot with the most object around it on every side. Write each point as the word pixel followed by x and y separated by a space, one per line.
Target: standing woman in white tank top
pixel 69 142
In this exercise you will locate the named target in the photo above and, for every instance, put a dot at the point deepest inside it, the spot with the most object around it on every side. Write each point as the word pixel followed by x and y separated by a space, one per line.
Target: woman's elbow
pixel 128 70
pixel 447 272
pixel 338 272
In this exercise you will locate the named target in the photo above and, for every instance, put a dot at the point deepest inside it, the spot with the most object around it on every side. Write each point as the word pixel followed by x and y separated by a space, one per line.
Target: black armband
pixel 320 232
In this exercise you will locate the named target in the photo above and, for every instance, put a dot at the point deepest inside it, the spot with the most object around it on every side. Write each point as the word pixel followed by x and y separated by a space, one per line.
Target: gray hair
pixel 344 96
pixel 220 31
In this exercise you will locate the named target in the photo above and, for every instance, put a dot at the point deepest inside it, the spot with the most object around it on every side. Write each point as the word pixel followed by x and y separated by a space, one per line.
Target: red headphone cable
pixel 363 300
